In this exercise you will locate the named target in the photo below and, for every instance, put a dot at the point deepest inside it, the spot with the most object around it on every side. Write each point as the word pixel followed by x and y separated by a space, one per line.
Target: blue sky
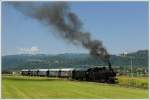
pixel 122 26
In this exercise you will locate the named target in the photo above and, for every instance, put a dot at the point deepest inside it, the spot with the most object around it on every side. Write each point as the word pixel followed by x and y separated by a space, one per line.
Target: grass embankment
pixel 138 82
pixel 35 87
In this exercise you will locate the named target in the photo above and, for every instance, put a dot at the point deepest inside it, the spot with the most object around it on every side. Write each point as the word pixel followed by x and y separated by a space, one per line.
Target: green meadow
pixel 42 87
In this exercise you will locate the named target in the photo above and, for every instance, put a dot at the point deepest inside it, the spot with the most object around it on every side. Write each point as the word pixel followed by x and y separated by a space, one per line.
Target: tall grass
pixel 138 82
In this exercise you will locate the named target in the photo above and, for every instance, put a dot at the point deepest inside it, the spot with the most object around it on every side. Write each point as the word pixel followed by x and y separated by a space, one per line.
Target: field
pixel 40 87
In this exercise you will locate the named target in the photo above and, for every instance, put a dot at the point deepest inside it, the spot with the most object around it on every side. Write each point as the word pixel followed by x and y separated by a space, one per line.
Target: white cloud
pixel 32 50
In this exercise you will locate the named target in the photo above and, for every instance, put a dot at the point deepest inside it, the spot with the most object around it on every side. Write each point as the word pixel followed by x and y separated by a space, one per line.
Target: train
pixel 95 74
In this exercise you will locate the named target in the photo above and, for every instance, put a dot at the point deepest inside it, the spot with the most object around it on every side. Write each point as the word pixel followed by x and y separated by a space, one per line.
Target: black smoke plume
pixel 67 24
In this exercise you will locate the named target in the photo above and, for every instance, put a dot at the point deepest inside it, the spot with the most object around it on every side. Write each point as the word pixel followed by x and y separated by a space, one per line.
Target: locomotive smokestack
pixel 109 64
pixel 66 23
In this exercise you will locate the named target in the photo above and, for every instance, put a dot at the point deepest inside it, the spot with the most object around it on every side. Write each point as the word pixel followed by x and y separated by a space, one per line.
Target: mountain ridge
pixel 17 62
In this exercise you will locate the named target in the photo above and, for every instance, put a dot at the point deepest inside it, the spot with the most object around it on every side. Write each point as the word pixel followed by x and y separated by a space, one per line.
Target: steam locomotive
pixel 95 74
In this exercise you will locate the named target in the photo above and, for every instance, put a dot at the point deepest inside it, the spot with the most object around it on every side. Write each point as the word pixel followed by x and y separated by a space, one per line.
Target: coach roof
pixel 54 69
pixel 43 69
pixel 67 69
pixel 24 70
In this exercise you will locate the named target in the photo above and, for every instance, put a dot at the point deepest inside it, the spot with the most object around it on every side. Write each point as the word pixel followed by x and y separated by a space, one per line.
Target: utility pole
pixel 131 62
pixel 131 66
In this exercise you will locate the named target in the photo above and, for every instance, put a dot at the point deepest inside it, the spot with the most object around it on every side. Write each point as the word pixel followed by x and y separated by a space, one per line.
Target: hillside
pixel 17 62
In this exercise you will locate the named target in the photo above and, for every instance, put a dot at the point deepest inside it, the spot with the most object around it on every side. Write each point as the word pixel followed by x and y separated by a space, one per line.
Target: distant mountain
pixel 17 62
